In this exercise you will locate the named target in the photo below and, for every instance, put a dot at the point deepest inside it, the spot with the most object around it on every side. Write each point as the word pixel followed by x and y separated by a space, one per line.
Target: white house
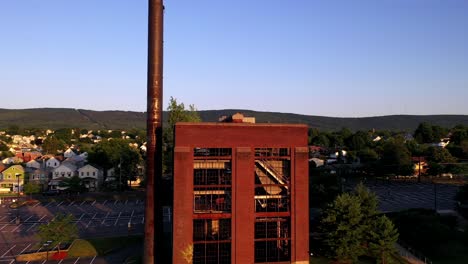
pixel 12 160
pixel 69 153
pixel 91 176
pixel 60 173
pixel 66 170
pixel 33 164
pixel 53 163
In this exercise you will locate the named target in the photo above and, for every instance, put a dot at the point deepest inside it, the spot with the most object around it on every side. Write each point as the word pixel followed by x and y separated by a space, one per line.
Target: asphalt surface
pixel 93 218
pixel 397 196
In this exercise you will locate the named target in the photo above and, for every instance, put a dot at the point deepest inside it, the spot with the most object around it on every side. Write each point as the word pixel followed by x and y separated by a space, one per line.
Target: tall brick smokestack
pixel 153 208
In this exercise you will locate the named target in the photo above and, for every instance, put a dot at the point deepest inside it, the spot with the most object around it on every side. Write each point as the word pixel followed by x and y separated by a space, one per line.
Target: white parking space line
pixel 133 211
pixel 60 203
pixel 76 261
pixel 24 249
pixel 33 225
pixel 60 261
pixel 92 260
pixel 39 249
pixel 3 227
pixel 71 203
pixel 7 251
pixel 37 204
pixel 28 218
pixel 3 218
pixel 94 216
pixel 92 204
pixel 42 218
pixel 44 262
pixel 117 220
pixel 83 202
pixel 115 202
pixel 14 229
pixel 126 201
pixel 81 217
pixel 47 204
pixel 88 223
pixel 142 219
pixel 105 201
pixel 14 219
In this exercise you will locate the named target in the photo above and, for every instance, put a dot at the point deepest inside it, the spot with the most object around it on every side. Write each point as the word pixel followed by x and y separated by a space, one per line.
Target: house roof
pixel 66 165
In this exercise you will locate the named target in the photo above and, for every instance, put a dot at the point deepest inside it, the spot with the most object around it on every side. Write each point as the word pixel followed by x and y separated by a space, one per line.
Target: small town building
pixel 12 178
pixel 91 176
pixel 241 193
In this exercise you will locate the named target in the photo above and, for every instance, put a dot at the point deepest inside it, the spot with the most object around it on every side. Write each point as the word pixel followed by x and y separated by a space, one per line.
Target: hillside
pixel 65 117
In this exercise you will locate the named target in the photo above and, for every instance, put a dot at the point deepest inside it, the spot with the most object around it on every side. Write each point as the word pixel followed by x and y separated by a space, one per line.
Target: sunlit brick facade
pixel 240 193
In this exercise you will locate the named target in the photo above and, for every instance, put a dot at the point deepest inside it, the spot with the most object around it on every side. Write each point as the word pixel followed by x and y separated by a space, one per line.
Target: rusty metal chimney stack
pixel 153 208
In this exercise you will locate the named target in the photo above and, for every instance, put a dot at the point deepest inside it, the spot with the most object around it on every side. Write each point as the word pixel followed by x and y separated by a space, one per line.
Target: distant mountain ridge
pixel 54 118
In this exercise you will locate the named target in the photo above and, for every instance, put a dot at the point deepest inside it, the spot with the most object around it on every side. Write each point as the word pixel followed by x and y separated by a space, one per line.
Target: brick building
pixel 240 193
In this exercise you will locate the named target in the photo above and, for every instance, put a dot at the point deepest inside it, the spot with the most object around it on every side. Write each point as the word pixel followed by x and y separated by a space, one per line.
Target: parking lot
pixel 93 218
pixel 397 196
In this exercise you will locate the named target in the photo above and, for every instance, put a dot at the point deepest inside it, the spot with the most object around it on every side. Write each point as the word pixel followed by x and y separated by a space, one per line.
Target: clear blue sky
pixel 333 58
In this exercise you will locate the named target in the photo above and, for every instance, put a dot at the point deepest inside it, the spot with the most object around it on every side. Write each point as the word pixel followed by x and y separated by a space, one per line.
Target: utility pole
pixel 153 207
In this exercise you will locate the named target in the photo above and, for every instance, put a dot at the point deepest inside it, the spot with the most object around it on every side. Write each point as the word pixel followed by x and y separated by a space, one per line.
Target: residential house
pixel 12 160
pixel 69 153
pixel 53 163
pixel 40 176
pixel 34 164
pixel 12 178
pixel 91 176
pixel 29 155
pixel 66 170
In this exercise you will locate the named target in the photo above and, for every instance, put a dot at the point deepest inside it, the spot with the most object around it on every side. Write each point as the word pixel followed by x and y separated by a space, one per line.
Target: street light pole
pixel 17 198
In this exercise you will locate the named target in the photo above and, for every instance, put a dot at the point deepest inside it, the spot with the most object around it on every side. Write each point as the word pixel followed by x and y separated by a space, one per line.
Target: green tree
pixel 176 113
pixel 440 155
pixel 353 226
pixel 30 188
pixel 382 239
pixel 3 146
pixel 51 145
pixel 321 140
pixel 343 225
pixel 73 184
pixel 116 154
pixel 368 155
pixel 61 229
pixel 63 134
pixel 358 141
pixel 395 159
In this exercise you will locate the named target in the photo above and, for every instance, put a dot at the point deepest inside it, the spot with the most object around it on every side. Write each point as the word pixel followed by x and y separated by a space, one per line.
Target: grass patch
pixel 82 248
pixel 107 245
